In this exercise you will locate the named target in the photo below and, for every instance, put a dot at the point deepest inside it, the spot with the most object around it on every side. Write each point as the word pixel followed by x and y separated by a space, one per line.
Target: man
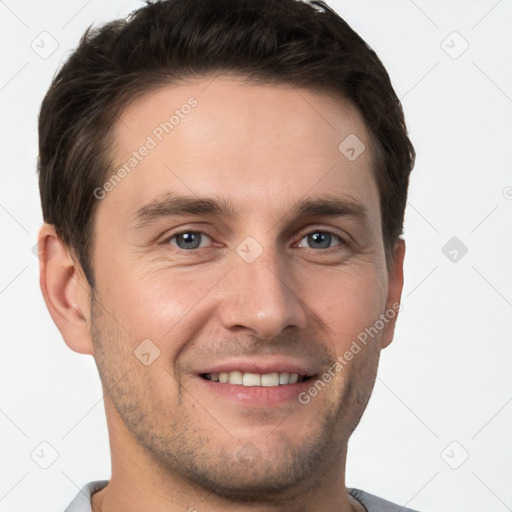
pixel 223 186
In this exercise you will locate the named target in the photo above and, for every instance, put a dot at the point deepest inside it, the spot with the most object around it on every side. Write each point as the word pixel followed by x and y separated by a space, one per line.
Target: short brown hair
pixel 270 41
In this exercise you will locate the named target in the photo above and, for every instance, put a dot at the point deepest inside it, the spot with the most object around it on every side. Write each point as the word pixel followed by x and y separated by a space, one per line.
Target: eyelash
pixel 342 240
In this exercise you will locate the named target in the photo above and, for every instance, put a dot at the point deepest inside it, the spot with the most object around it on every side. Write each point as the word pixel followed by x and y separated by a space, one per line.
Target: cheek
pixel 162 303
pixel 347 302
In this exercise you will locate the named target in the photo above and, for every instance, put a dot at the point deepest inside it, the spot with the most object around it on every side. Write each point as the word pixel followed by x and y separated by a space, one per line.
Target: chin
pixel 254 471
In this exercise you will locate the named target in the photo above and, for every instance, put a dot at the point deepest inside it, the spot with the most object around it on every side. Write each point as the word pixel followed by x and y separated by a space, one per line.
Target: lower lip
pixel 258 395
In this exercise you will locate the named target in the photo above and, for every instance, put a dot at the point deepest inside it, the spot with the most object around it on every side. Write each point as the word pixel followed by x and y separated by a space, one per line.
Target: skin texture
pixel 176 444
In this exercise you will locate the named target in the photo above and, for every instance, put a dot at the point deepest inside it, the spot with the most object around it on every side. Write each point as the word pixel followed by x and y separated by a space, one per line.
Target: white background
pixel 444 386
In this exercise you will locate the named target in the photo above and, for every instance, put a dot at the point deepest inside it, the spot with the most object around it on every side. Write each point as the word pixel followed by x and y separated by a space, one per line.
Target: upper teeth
pixel 255 379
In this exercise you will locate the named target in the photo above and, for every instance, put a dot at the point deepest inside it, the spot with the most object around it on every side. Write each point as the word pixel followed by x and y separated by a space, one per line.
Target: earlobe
pixel 65 290
pixel 395 287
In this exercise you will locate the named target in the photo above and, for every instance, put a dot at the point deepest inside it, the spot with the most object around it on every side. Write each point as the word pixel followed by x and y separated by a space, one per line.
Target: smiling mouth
pixel 255 379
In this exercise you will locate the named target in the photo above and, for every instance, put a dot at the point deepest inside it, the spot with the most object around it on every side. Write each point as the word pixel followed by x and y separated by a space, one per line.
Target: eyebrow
pixel 173 205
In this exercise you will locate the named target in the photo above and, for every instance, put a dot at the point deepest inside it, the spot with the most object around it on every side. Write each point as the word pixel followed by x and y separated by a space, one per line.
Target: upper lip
pixel 259 365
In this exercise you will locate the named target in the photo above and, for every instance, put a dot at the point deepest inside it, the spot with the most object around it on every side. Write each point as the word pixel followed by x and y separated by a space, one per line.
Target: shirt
pixel 82 501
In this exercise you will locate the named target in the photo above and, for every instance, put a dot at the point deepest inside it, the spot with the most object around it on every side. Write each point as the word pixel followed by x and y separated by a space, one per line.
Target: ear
pixel 65 290
pixel 395 286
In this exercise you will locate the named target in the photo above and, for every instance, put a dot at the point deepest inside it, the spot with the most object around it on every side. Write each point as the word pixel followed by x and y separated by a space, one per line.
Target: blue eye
pixel 188 240
pixel 320 240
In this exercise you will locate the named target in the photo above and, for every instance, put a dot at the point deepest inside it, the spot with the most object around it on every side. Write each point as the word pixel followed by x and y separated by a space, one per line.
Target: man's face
pixel 278 280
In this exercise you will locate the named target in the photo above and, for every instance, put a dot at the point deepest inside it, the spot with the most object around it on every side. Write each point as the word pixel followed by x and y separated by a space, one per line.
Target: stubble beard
pixel 239 470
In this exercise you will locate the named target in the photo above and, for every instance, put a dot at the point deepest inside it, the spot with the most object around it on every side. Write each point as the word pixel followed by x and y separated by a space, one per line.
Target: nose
pixel 262 298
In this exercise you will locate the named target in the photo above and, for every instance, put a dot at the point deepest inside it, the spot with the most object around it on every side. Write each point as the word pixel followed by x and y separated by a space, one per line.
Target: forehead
pixel 253 144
